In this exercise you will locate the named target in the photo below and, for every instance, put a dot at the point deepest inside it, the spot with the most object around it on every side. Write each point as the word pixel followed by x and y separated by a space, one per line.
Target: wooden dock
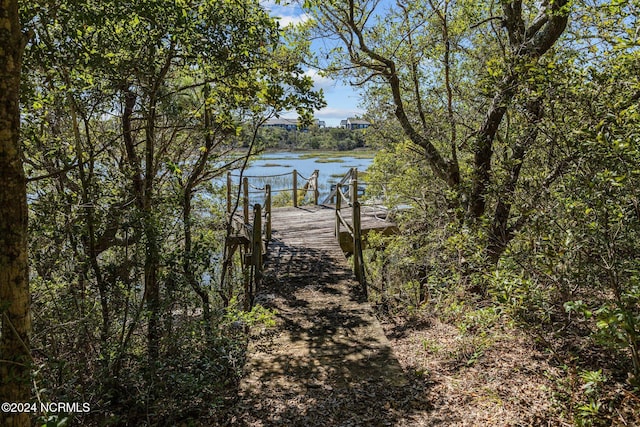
pixel 316 223
pixel 327 344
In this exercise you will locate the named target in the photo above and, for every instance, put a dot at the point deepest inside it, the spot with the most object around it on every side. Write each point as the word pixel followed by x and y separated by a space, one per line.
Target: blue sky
pixel 342 100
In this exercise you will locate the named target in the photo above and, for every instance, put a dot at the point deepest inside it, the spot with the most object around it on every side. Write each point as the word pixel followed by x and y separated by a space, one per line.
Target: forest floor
pixel 477 380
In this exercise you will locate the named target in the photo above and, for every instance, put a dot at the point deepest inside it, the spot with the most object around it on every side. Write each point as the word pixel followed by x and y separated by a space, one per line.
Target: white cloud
pixel 321 82
pixel 292 19
pixel 285 14
pixel 338 113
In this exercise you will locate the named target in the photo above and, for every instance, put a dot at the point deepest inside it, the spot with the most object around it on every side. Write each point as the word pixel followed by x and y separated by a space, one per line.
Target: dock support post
pixel 358 258
pixel 257 241
pixel 295 188
pixel 255 266
pixel 353 190
pixel 316 191
pixel 228 192
pixel 267 212
pixel 338 207
pixel 245 199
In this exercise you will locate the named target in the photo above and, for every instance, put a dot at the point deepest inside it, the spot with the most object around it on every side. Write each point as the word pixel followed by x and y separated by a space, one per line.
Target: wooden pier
pixel 317 224
pixel 327 346
pixel 350 221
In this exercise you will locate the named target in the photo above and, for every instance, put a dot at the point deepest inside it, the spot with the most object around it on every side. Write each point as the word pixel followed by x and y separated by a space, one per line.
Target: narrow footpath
pixel 328 361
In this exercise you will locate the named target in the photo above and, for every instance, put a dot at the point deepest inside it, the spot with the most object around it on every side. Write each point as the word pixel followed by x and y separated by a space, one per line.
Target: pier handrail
pixel 298 193
pixel 353 173
pixel 354 229
pixel 254 233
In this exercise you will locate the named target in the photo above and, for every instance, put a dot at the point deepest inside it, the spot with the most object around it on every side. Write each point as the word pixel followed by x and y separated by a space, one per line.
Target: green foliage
pixel 591 413
pixel 526 300
pixel 598 208
pixel 592 381
pixel 257 316
pixel 55 421
pixel 131 110
pixel 569 276
pixel 282 199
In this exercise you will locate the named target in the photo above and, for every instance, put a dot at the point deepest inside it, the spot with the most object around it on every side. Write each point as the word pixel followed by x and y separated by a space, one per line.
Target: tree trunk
pixel 527 44
pixel 152 286
pixel 151 230
pixel 189 274
pixel 501 233
pixel 484 147
pixel 15 356
pixel 152 251
pixel 143 187
pixel 89 238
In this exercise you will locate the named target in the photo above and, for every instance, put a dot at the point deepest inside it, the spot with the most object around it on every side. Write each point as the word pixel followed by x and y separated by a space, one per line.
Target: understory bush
pixel 570 276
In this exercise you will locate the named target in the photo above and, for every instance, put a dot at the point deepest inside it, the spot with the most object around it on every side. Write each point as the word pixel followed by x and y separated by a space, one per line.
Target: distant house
pixel 288 124
pixel 291 124
pixel 354 123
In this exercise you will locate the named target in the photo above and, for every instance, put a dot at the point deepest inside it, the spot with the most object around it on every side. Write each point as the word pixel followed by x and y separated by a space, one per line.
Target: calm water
pixel 281 164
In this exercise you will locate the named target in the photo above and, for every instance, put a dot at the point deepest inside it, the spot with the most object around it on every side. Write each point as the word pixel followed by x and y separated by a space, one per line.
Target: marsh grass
pixel 359 154
pixel 275 165
pixel 330 161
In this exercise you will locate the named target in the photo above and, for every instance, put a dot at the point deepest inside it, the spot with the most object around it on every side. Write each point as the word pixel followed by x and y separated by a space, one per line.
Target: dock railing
pixel 252 235
pixel 345 201
pixel 253 232
pixel 298 193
